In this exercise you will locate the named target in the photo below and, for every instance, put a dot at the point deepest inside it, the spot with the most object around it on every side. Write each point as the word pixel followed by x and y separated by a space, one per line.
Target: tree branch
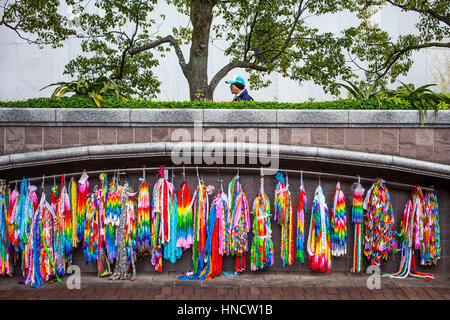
pixel 433 13
pixel 394 56
pixel 247 47
pixel 291 32
pixel 168 39
pixel 230 66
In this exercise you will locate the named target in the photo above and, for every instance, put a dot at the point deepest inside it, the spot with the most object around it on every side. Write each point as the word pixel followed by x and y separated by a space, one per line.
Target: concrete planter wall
pixel 396 133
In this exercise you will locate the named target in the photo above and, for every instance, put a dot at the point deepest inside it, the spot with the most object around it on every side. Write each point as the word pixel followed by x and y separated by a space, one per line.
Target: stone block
pixel 354 147
pixel 391 149
pixel 33 135
pixel 353 136
pixel 407 135
pixel 424 152
pixel 424 136
pixel 389 136
pixel 52 137
pixel 15 135
pixel 88 136
pixel 285 136
pixel 70 136
pixel 442 153
pixel 407 150
pixel 124 135
pixel 142 134
pixel 371 136
pixel 209 134
pixel 107 135
pixel 160 134
pixel 27 115
pixel 336 136
pixel 301 136
pixel 442 136
pixel 183 134
pixel 319 136
pixel 371 148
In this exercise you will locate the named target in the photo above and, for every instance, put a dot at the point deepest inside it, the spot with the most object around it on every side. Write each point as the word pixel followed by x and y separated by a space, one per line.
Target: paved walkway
pixel 247 286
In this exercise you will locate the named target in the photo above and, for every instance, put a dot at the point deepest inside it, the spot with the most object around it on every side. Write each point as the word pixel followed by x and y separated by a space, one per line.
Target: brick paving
pixel 247 286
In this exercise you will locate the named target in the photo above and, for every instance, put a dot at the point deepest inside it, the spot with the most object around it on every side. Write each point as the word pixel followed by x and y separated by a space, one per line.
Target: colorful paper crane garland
pixel 185 217
pixel 319 239
pixel 284 216
pixel 414 235
pixel 112 226
pixel 143 223
pixel 262 245
pixel 357 219
pixel 301 210
pixel 379 233
pixel 239 224
pixel 339 224
pixel 162 199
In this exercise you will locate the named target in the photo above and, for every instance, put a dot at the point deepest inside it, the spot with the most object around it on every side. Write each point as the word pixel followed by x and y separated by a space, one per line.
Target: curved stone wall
pixel 388 144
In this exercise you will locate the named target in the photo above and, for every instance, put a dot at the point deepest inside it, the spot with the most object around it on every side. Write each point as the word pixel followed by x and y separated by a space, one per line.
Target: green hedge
pixel 85 102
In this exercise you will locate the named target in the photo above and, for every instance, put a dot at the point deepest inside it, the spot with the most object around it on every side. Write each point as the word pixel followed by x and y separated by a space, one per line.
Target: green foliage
pixel 421 98
pixel 107 36
pixel 362 92
pixel 96 90
pixel 278 36
pixel 261 36
pixel 383 57
pixel 36 21
pixel 78 101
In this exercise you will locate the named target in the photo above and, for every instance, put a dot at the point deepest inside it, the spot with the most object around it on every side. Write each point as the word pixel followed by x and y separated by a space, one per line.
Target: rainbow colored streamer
pixel 143 220
pixel 261 255
pixel 319 239
pixel 112 214
pixel 83 191
pixel 239 224
pixel 301 210
pixel 357 219
pixel 171 251
pixel 101 196
pixel 185 221
pixel 200 211
pixel 284 215
pixel 91 232
pixel 59 243
pixel 339 224
pixel 73 199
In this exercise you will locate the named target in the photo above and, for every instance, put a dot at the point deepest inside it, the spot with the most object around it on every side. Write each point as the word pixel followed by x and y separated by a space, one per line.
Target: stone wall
pixel 374 133
pixel 428 144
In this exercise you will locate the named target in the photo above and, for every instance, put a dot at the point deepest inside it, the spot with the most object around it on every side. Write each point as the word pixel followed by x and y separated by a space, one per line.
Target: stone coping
pixel 219 117
pixel 134 150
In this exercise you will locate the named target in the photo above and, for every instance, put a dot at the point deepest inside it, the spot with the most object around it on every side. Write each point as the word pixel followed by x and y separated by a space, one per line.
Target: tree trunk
pixel 197 68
